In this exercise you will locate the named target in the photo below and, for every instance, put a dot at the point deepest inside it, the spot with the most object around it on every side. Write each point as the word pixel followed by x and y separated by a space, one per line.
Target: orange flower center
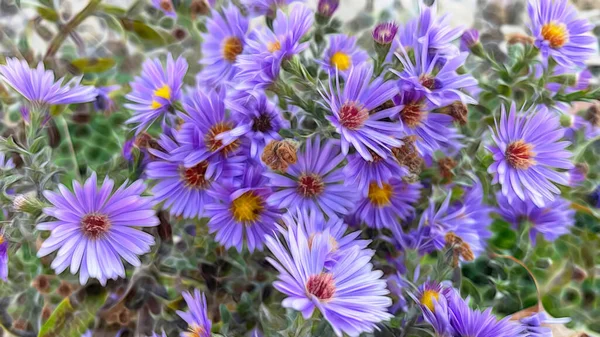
pixel 194 176
pixel 214 144
pixel 232 47
pixel 556 34
pixel 519 155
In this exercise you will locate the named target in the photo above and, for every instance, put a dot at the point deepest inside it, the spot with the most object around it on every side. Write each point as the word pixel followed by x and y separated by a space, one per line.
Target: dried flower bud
pixel 446 166
pixel 179 33
pixel 466 252
pixel 20 324
pixel 278 155
pixel 579 274
pixel 459 249
pixel 199 7
pixel 46 312
pixel 518 38
pixel 41 283
pixel 408 156
pixel 64 289
pixel 458 110
pixel 593 114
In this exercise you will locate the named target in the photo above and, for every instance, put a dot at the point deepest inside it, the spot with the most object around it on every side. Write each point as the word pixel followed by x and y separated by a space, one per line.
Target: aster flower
pixel 95 228
pixel 435 31
pixel 342 54
pixel 384 33
pixel 474 323
pixel 385 205
pixel 533 324
pixel 155 90
pixel 165 6
pixel 222 43
pixel 184 189
pixel 266 49
pixel 434 75
pixel 315 182
pixel 6 164
pixel 3 256
pixel 351 296
pixel 469 39
pixel 326 8
pixel 39 88
pixel 351 116
pixel 552 220
pixel 361 173
pixel 526 154
pixel 434 131
pixel 241 211
pixel 258 119
pixel 433 299
pixel 197 317
pixel 560 32
pixel 103 100
pixel 267 7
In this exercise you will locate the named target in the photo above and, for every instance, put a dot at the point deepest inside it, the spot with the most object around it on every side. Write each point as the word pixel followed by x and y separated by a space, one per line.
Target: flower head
pixel 37 85
pixel 155 90
pixel 361 173
pixel 351 112
pixel 315 182
pixel 224 41
pixel 267 7
pixel 435 31
pixel 384 33
pixel 197 317
pixel 469 39
pixel 536 325
pixel 468 322
pixel 560 32
pixel 526 154
pixel 95 228
pixel 350 295
pixel 342 54
pixel 165 6
pixel 6 163
pixel 240 211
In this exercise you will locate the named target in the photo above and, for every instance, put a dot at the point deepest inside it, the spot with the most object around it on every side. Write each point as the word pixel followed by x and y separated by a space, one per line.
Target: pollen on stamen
pixel 232 47
pixel 213 144
pixel 353 116
pixel 428 298
pixel 247 207
pixel 94 225
pixel 310 185
pixel 195 176
pixel 195 330
pixel 520 155
pixel 556 34
pixel 321 286
pixel 341 60
pixel 273 46
pixel 380 196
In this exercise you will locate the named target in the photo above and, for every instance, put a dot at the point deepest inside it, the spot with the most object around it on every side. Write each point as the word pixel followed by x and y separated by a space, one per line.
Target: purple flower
pixel 155 90
pixel 165 6
pixel 163 334
pixel 197 317
pixel 560 33
pixel 578 175
pixel 384 33
pixel 350 295
pixel 435 32
pixel 103 101
pixel 266 49
pixel 342 54
pixel 526 154
pixel 267 7
pixel 6 163
pixel 95 228
pixel 258 119
pixel 533 324
pixel 433 300
pixel 3 256
pixel 240 209
pixel 38 86
pixel 315 182
pixel 360 172
pixel 387 203
pixel 469 39
pixel 474 323
pixel 326 8
pixel 553 220
pixel 222 43
pixel 351 107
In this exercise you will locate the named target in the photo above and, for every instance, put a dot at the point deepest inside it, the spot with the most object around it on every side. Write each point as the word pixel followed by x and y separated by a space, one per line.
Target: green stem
pixel 65 127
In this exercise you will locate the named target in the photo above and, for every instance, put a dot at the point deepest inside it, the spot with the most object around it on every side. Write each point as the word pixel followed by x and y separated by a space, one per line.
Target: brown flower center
pixel 232 47
pixel 195 176
pixel 519 155
pixel 214 144
pixel 321 286
pixel 412 114
pixel 310 185
pixel 94 225
pixel 353 116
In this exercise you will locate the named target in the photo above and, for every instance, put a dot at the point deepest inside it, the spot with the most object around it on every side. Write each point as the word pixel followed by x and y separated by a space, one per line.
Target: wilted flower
pixel 278 155
pixel 197 317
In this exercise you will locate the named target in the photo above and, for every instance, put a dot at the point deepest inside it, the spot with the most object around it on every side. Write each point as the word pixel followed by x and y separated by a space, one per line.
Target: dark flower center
pixel 412 114
pixel 430 82
pixel 321 286
pixel 353 116
pixel 232 47
pixel 310 185
pixel 214 144
pixel 519 155
pixel 261 123
pixel 95 225
pixel 195 176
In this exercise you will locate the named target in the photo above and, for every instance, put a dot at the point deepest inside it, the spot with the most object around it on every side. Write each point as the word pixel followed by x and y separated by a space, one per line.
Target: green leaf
pixel 93 65
pixel 142 30
pixel 47 13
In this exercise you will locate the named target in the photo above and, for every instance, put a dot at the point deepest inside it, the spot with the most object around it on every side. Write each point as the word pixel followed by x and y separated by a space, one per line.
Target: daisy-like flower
pixel 352 117
pixel 434 75
pixel 197 317
pixel 155 90
pixel 560 32
pixel 361 173
pixel 95 228
pixel 3 256
pixel 266 49
pixel 553 220
pixel 165 6
pixel 204 120
pixel 184 189
pixel 37 85
pixel 258 119
pixel 474 323
pixel 526 154
pixel 386 204
pixel 315 182
pixel 350 295
pixel 435 31
pixel 267 7
pixel 342 54
pixel 433 299
pixel 241 211
pixel 222 43
pixel 434 131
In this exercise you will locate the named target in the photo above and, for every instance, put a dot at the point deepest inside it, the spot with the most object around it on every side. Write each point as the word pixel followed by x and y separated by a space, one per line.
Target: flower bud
pixel 469 39
pixel 592 115
pixel 28 204
pixel 458 110
pixel 408 156
pixel 41 283
pixel 383 35
pixel 278 155
pixel 446 166
pixel 326 8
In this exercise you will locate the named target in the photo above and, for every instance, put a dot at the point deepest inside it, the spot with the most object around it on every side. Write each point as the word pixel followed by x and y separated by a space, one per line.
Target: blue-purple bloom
pixel 384 33
pixel 361 173
pixel 267 7
pixel 6 163
pixel 39 88
pixel 533 324
pixel 435 32
pixel 315 182
pixel 469 39
pixel 433 299
pixel 240 210
pixel 197 317
pixel 223 41
pixel 552 220
pixel 350 295
pixel 3 256
pixel 326 8
pixel 474 323
pixel 155 90
pixel 351 112
pixel 103 100
pixel 560 32
pixel 526 154
pixel 95 228
pixel 342 54
pixel 165 6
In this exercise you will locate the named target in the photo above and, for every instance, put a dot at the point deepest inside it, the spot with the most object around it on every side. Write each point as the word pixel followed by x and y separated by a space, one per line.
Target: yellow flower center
pixel 1 239
pixel 247 207
pixel 195 331
pixel 162 92
pixel 380 196
pixel 428 297
pixel 273 46
pixel 155 105
pixel 232 47
pixel 341 60
pixel 556 34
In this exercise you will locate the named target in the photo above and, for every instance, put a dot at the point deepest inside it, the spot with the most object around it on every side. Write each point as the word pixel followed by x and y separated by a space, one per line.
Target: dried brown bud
pixel 46 312
pixel 20 324
pixel 579 274
pixel 466 252
pixel 41 283
pixel 278 155
pixel 593 114
pixel 64 289
pixel 458 110
pixel 452 240
pixel 386 105
pixel 145 141
pixel 584 168
pixel 517 38
pixel 446 166
pixel 199 7
pixel 166 5
pixel 408 156
pixel 459 249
